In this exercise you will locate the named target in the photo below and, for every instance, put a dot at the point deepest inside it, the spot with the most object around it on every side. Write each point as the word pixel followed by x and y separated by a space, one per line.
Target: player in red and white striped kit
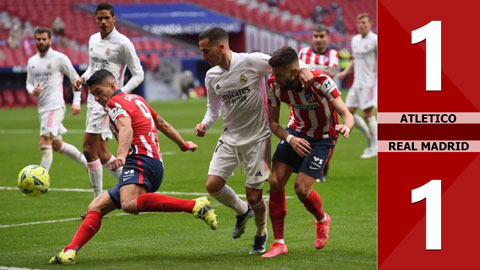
pixel 306 144
pixel 323 58
pixel 135 126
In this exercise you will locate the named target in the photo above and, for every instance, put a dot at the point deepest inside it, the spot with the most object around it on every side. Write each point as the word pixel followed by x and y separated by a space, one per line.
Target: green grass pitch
pixel 177 240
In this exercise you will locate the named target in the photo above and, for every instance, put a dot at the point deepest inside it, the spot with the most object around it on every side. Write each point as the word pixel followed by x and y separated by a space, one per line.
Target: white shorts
pixel 98 123
pixel 362 97
pixel 51 123
pixel 255 156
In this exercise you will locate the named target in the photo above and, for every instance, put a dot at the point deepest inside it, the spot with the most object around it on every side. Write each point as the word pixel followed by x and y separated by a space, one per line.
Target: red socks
pixel 88 228
pixel 313 203
pixel 277 206
pixel 154 202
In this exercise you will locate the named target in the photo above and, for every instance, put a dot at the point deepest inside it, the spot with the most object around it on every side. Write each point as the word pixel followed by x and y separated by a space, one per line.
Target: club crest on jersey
pixel 49 66
pixel 310 97
pixel 107 51
pixel 243 78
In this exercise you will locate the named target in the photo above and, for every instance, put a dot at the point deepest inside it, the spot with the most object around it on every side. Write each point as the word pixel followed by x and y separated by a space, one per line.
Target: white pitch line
pixel 16 268
pixel 81 131
pixel 161 192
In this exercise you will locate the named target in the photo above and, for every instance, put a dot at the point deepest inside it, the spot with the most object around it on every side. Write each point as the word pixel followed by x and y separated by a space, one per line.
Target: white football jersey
pixel 364 51
pixel 48 72
pixel 240 94
pixel 114 53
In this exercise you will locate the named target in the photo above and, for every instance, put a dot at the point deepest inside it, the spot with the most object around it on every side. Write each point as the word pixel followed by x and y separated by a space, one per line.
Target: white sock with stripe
pixel 73 153
pixel 229 198
pixel 360 123
pixel 47 156
pixel 95 172
pixel 116 173
pixel 372 123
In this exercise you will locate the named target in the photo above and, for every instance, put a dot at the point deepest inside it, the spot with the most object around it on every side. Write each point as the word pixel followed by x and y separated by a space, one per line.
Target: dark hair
pixel 321 28
pixel 283 57
pixel 41 30
pixel 213 34
pixel 99 77
pixel 105 6
pixel 364 15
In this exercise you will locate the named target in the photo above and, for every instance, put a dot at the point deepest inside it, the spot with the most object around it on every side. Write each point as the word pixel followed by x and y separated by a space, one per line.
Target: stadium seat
pixel 8 97
pixel 21 97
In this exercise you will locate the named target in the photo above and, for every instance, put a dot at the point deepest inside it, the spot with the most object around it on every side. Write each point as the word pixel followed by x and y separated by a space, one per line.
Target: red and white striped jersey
pixel 311 111
pixel 320 61
pixel 145 140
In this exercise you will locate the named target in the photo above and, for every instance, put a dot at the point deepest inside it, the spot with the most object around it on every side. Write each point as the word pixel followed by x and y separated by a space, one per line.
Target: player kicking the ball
pixel 135 125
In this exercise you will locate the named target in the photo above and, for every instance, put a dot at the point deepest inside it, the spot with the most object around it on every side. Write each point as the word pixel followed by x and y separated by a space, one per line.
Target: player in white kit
pixel 363 93
pixel 236 85
pixel 45 71
pixel 110 50
pixel 323 58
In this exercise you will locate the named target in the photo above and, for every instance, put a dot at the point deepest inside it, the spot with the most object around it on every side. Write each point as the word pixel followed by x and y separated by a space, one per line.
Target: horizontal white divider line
pixel 428 117
pixel 16 268
pixel 183 131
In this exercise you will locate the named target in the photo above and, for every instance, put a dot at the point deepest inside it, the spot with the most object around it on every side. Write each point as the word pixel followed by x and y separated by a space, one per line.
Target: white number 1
pixel 432 32
pixel 432 192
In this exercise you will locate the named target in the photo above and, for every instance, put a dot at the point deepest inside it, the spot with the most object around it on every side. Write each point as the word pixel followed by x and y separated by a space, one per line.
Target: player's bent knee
pixel 302 191
pixel 213 187
pixel 56 145
pixel 130 206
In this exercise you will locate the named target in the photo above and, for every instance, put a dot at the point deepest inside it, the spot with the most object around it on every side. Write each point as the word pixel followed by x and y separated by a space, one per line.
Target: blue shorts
pixel 313 164
pixel 140 170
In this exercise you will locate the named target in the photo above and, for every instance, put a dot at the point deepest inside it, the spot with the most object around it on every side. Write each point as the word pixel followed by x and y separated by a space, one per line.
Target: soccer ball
pixel 33 180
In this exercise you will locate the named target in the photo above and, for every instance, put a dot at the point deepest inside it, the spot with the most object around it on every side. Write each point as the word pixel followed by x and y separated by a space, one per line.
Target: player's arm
pixel 347 117
pixel 169 131
pixel 68 70
pixel 214 107
pixel 346 71
pixel 135 67
pixel 301 146
pixel 125 137
pixel 332 68
pixel 86 75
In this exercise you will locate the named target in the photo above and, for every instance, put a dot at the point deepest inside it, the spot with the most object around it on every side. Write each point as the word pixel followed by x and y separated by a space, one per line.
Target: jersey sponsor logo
pixel 234 97
pixel 243 78
pixel 311 106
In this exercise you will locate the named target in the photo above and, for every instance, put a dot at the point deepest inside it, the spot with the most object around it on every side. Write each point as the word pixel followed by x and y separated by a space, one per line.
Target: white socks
pixel 47 156
pixel 116 173
pixel 73 153
pixel 229 198
pixel 360 123
pixel 372 123
pixel 95 172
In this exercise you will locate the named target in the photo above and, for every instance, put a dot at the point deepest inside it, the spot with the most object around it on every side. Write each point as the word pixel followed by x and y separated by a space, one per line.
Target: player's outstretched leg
pixel 202 210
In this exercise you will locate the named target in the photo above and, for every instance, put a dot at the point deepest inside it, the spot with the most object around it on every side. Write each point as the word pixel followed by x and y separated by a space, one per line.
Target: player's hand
pixel 77 85
pixel 301 146
pixel 118 162
pixel 189 146
pixel 344 130
pixel 37 90
pixel 200 130
pixel 341 75
pixel 306 78
pixel 76 109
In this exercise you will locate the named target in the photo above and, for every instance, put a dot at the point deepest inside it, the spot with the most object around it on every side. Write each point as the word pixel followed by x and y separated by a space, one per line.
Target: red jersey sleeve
pixel 324 84
pixel 273 100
